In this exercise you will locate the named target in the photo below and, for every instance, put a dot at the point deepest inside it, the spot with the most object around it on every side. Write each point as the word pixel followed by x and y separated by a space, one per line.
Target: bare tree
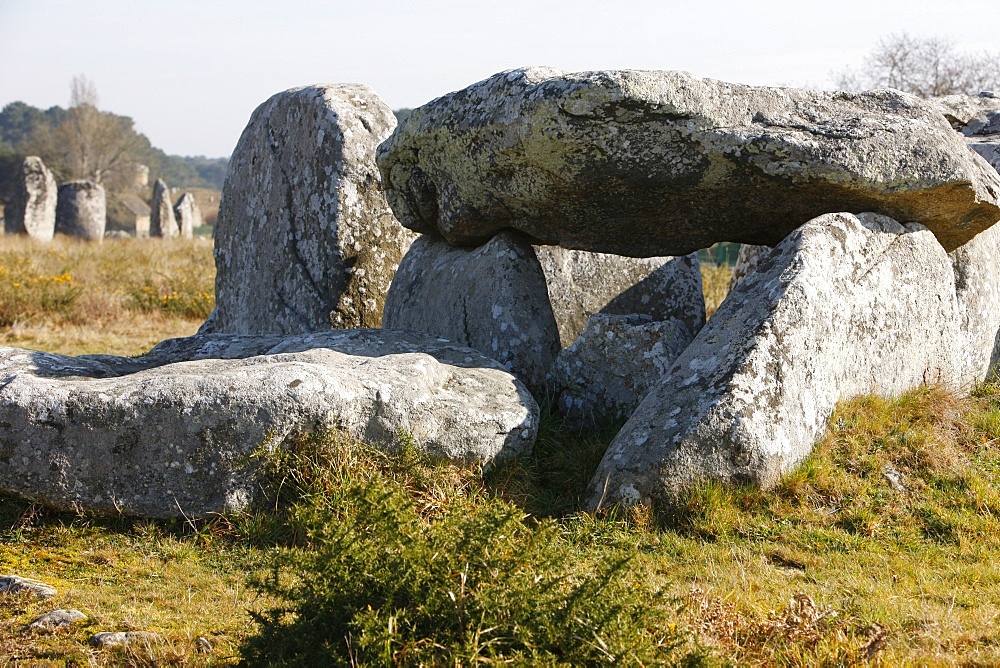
pixel 89 143
pixel 924 66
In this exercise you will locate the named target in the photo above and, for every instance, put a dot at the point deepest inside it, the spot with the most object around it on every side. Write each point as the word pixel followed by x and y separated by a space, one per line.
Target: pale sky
pixel 190 72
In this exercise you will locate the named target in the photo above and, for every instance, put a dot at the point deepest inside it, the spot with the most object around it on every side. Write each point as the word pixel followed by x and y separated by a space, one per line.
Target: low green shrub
pixel 407 564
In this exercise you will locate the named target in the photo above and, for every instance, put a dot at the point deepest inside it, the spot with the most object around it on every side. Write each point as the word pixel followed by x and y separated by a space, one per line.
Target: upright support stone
pixel 82 210
pixel 32 210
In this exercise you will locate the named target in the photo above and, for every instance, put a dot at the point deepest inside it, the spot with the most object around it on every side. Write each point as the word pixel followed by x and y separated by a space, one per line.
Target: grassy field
pixel 880 550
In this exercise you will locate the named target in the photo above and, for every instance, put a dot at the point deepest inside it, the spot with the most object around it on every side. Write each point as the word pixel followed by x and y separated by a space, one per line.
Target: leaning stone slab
pixel 81 210
pixel 162 222
pixel 13 584
pixel 613 364
pixel 177 430
pixel 304 238
pixel 845 305
pixel 747 260
pixel 32 210
pixel 492 298
pixel 581 284
pixel 646 163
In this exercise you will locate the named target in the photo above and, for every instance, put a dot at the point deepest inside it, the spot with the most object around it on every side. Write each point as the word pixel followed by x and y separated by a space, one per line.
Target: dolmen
pixel 858 197
pixel 530 239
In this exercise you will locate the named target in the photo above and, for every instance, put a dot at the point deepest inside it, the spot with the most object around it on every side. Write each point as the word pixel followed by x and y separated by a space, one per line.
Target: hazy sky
pixel 190 72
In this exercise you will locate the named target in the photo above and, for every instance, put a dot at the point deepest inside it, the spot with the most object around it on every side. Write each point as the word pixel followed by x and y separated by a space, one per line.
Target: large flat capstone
pixel 645 163
pixel 177 430
pixel 843 306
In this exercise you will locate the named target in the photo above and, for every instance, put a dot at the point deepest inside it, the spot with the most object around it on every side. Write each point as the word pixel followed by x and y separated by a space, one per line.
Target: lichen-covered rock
pixel 581 284
pixel 747 260
pixel 81 210
pixel 663 163
pixel 32 210
pixel 12 584
pixel 977 285
pixel 56 619
pixel 613 364
pixel 162 222
pixel 844 306
pixel 176 431
pixel 492 298
pixel 188 215
pixel 304 238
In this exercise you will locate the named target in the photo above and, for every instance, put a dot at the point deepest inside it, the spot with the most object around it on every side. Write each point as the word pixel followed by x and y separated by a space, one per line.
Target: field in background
pixel 119 297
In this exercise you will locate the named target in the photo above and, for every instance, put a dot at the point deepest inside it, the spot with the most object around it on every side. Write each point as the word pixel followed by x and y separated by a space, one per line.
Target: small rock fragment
pixel 56 618
pixel 114 638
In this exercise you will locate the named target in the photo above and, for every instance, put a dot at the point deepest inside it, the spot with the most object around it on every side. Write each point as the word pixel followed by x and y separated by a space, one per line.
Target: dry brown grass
pixel 715 285
pixel 120 297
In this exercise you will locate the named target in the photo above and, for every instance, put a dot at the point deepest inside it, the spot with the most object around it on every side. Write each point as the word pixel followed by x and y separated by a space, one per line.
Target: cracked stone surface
pixel 581 284
pixel 493 299
pixel 644 163
pixel 613 364
pixel 845 305
pixel 305 239
pixel 176 431
pixel 32 209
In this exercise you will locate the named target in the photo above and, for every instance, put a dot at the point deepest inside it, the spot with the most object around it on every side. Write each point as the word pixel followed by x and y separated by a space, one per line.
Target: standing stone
pixel 581 284
pixel 613 364
pixel 32 210
pixel 82 210
pixel 845 305
pixel 162 222
pixel 492 298
pixel 188 215
pixel 304 237
pixel 664 163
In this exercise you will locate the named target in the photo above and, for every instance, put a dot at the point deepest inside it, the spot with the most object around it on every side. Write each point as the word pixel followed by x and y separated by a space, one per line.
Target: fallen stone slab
pixel 12 584
pixel 581 284
pixel 179 430
pixel 56 619
pixel 613 364
pixel 493 299
pixel 645 163
pixel 845 305
pixel 304 238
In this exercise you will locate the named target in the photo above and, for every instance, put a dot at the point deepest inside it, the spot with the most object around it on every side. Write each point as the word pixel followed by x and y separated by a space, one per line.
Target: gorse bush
pixel 410 565
pixel 26 291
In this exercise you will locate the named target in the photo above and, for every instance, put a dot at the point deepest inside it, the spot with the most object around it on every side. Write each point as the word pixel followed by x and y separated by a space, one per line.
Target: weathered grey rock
pixel 664 163
pixel 613 364
pixel 81 210
pixel 188 215
pixel 176 430
pixel 581 284
pixel 747 260
pixel 32 210
pixel 977 284
pixel 116 638
pixel 492 298
pixel 971 114
pixel 988 148
pixel 162 222
pixel 56 618
pixel 12 584
pixel 304 237
pixel 845 305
